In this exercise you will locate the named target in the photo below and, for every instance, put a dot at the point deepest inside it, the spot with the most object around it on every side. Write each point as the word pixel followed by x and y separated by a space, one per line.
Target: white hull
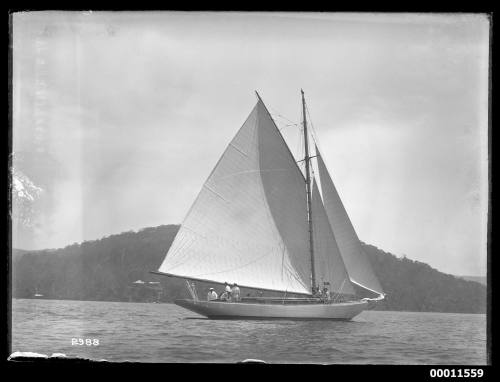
pixel 259 311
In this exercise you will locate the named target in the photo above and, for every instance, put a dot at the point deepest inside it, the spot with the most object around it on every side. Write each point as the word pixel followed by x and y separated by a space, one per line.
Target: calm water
pixel 167 333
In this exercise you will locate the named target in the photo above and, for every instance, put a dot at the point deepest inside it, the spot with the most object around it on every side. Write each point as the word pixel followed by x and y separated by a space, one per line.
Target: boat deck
pixel 282 301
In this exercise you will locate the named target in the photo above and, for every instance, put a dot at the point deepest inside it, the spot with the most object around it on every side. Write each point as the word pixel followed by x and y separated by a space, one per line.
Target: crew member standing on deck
pixel 212 295
pixel 227 292
pixel 235 293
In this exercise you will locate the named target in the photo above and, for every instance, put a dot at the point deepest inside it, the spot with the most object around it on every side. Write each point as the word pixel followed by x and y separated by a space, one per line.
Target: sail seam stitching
pixel 215 192
pixel 238 149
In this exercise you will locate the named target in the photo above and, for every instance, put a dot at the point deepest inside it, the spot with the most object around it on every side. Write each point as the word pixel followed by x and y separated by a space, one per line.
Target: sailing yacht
pixel 263 223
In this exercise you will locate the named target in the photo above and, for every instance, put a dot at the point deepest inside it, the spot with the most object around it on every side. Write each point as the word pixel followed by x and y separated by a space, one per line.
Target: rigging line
pixel 290 124
pixel 284 296
pixel 339 293
pixel 294 275
pixel 300 148
pixel 299 141
pixel 285 118
pixel 282 123
pixel 280 115
pixel 288 281
pixel 282 138
pixel 314 135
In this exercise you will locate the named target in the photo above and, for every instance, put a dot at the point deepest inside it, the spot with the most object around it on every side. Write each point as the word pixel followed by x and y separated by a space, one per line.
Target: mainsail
pixel 249 222
pixel 357 264
pixel 328 260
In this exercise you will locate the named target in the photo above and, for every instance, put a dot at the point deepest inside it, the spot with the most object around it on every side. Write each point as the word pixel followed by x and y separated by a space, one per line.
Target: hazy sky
pixel 120 117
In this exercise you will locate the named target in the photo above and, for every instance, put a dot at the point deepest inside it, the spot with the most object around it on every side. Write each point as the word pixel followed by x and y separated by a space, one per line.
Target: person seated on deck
pixel 225 296
pixel 235 292
pixel 212 295
pixel 317 292
pixel 326 294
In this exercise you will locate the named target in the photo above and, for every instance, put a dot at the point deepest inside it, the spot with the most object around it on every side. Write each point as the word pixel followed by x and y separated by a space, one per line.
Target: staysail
pixel 328 260
pixel 249 222
pixel 357 264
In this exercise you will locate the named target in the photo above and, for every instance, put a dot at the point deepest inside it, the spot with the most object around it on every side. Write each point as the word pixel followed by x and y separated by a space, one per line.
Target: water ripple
pixel 167 333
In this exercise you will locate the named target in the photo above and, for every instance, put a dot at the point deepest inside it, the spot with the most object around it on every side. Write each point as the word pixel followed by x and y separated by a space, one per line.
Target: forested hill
pixel 106 270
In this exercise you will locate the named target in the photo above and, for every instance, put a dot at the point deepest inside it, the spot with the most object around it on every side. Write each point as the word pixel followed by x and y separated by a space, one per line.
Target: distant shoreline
pixel 172 303
pixel 117 268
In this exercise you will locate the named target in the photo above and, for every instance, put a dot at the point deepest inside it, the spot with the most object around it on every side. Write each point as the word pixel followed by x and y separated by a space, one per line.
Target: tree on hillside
pixel 106 269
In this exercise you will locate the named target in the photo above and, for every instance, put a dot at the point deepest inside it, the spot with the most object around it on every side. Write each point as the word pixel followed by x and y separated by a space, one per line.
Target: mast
pixel 308 190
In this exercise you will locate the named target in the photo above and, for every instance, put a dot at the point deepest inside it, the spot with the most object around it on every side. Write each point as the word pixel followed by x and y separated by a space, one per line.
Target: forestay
pixel 357 264
pixel 249 222
pixel 329 265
